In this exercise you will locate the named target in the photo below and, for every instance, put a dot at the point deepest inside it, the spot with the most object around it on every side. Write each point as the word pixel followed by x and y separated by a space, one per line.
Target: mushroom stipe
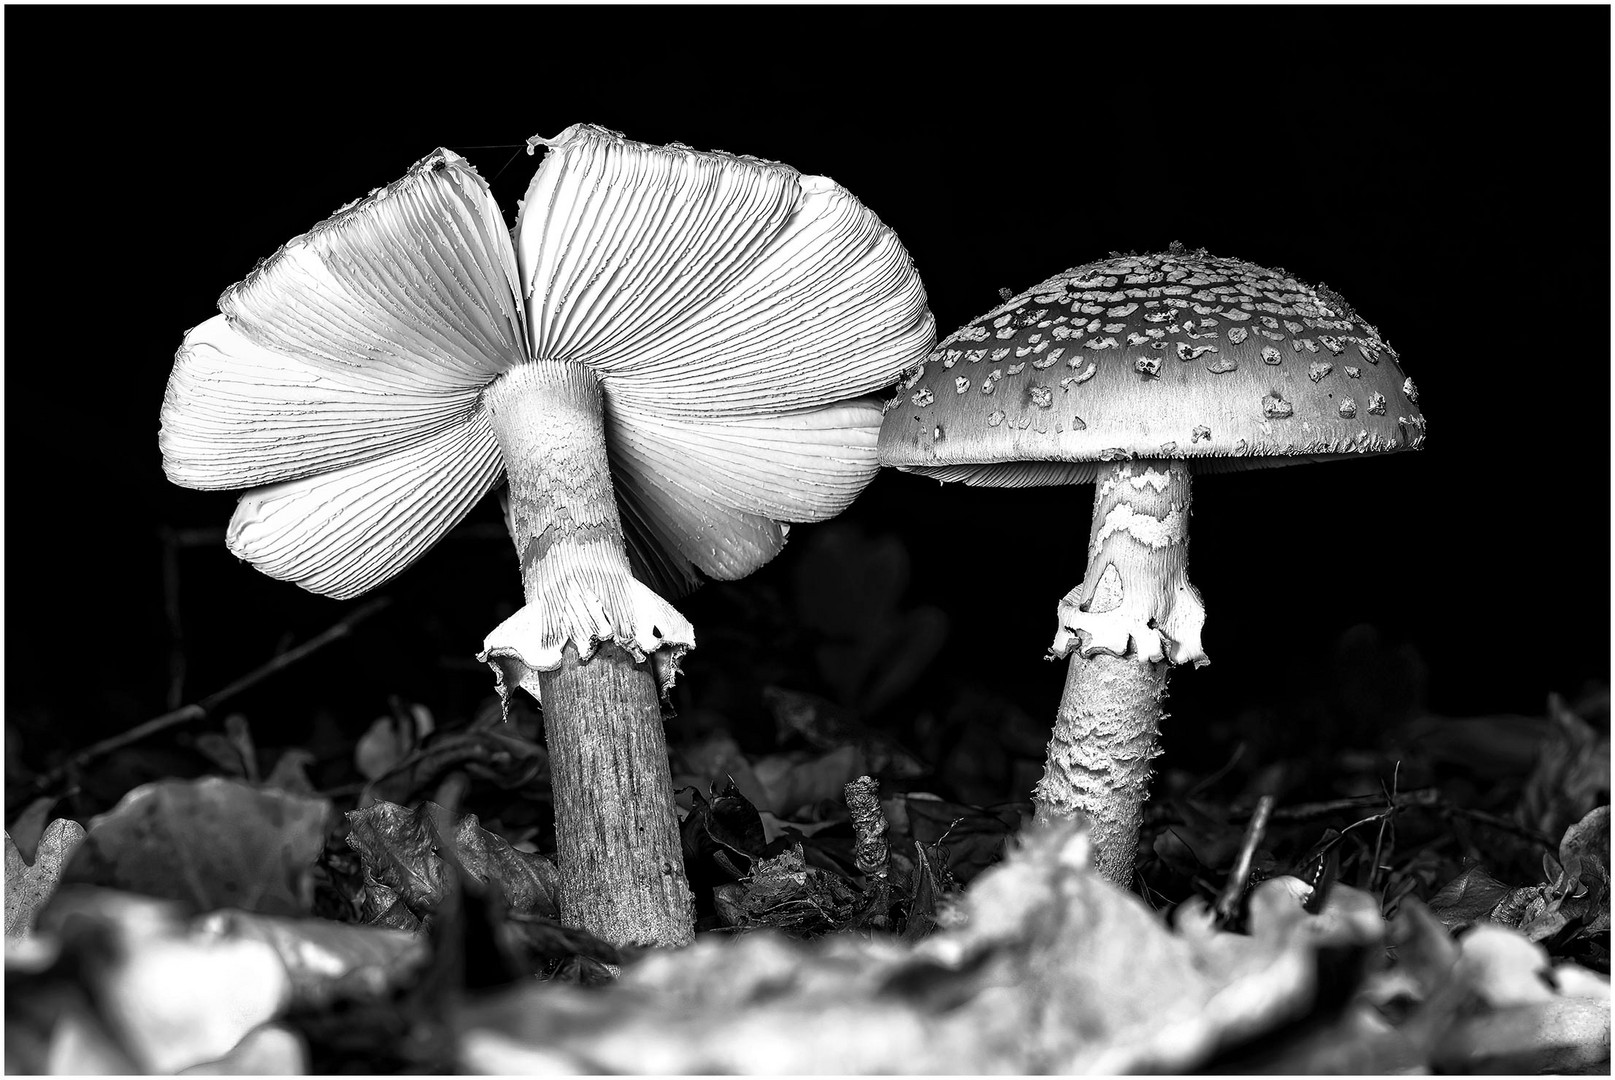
pixel 610 756
pixel 602 711
pixel 1133 616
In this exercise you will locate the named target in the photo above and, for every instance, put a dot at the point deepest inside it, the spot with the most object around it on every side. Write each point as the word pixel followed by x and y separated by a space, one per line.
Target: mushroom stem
pixel 622 871
pixel 617 842
pixel 1105 734
pixel 1134 615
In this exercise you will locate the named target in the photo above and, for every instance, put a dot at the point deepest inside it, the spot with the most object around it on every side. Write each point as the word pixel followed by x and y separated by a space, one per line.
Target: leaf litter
pixel 1430 896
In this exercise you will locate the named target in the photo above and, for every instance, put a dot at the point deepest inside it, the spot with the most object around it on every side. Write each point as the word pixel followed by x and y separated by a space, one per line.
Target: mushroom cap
pixel 1179 354
pixel 734 311
pixel 341 383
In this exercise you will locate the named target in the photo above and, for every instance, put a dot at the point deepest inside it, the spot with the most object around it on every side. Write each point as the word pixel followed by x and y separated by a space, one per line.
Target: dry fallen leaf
pixel 1532 1017
pixel 1053 969
pixel 135 980
pixel 785 893
pixel 1571 771
pixel 325 960
pixel 1573 895
pixel 28 887
pixel 400 849
pixel 270 1050
pixel 209 843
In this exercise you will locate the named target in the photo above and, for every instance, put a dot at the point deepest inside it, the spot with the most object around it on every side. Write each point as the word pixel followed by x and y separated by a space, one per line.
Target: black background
pixel 1445 169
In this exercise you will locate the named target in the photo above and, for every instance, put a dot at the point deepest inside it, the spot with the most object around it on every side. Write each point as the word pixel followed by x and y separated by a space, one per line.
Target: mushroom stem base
pixel 622 869
pixel 1105 735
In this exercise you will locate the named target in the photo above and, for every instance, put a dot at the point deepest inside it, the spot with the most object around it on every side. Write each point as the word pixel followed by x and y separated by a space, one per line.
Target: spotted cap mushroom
pixel 1133 373
pixel 667 359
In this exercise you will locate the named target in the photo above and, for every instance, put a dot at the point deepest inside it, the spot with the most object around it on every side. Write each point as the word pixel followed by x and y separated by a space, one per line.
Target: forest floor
pixel 1432 896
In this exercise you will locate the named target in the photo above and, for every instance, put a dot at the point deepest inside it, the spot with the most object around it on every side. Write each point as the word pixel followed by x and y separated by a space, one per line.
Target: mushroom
pixel 1132 373
pixel 667 365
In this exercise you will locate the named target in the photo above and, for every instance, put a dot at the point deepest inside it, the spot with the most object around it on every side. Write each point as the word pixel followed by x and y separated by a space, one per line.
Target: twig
pixel 1233 759
pixel 194 711
pixel 1228 899
pixel 1402 799
pixel 1524 832
pixel 1429 798
pixel 1384 824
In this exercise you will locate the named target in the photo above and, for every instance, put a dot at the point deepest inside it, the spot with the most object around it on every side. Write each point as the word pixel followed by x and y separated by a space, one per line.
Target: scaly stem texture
pixel 617 840
pixel 1134 613
pixel 1105 734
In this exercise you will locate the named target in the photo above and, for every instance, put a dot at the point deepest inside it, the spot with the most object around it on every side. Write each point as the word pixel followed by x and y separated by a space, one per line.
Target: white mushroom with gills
pixel 1134 373
pixel 666 358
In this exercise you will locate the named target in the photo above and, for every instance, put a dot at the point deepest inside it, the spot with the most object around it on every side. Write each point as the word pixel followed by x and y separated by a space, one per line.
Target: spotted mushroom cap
pixel 735 311
pixel 1180 354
